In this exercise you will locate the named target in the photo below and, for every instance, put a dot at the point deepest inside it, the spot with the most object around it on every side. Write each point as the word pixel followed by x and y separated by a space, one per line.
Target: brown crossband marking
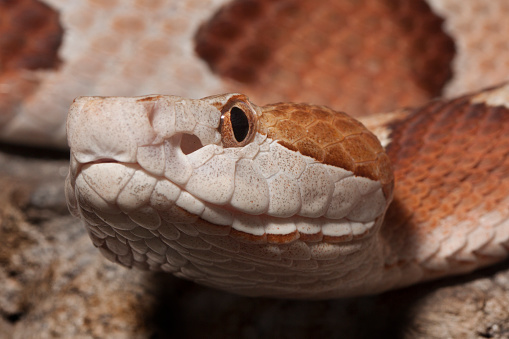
pixel 30 36
pixel 358 56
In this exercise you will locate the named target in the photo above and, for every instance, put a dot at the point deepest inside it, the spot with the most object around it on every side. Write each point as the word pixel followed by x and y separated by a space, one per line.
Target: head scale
pixel 227 193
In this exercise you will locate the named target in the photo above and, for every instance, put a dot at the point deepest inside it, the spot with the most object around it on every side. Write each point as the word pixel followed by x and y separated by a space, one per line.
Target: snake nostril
pixel 190 143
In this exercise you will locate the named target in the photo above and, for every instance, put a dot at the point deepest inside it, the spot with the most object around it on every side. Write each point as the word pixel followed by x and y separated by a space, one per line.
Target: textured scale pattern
pixel 30 36
pixel 451 183
pixel 268 178
pixel 359 56
pixel 383 54
pixel 265 218
pixel 306 129
pixel 212 256
pixel 256 209
pixel 136 47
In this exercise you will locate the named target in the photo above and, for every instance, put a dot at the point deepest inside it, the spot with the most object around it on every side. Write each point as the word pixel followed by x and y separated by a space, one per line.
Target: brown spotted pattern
pixel 356 56
pixel 30 36
pixel 331 137
pixel 451 165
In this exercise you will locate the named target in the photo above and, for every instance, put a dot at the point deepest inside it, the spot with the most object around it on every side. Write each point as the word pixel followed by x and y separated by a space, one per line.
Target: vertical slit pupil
pixel 240 124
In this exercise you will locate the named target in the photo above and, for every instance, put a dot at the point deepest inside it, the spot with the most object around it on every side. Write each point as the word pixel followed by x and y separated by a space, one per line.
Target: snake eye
pixel 237 124
pixel 240 124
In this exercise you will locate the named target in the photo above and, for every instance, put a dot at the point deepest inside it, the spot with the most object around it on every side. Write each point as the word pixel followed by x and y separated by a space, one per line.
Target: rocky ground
pixel 54 284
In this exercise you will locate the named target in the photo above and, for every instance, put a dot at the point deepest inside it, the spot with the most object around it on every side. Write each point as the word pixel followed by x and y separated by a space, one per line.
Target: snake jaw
pixel 258 180
pixel 157 170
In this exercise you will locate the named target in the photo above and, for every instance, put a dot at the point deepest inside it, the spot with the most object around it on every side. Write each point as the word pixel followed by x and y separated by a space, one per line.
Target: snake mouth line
pixel 180 207
pixel 103 161
pixel 256 228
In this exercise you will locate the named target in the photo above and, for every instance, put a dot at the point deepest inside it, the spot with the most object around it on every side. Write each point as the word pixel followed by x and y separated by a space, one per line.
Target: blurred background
pixel 358 56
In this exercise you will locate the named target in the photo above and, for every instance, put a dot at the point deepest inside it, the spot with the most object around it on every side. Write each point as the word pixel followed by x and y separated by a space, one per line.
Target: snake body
pixel 292 200
pixel 360 56
pixel 289 200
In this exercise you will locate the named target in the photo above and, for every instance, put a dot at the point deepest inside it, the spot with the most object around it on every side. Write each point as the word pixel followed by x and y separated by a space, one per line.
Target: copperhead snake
pixel 290 200
pixel 167 183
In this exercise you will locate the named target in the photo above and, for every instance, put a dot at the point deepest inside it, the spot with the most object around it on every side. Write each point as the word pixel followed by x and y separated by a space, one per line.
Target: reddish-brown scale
pixel 365 169
pixel 452 176
pixel 361 57
pixel 289 131
pixel 359 150
pixel 349 126
pixel 310 148
pixel 128 25
pixel 30 36
pixel 333 138
pixel 338 151
pixel 322 134
pixel 283 238
pixel 304 117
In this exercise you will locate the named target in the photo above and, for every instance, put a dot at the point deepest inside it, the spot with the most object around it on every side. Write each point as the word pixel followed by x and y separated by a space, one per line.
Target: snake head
pixel 164 183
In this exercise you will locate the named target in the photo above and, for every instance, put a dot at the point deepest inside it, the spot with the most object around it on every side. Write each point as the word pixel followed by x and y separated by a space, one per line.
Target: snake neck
pixel 451 164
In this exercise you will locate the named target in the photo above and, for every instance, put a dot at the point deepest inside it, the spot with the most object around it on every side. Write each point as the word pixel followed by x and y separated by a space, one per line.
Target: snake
pixel 287 200
pixel 292 200
pixel 354 56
